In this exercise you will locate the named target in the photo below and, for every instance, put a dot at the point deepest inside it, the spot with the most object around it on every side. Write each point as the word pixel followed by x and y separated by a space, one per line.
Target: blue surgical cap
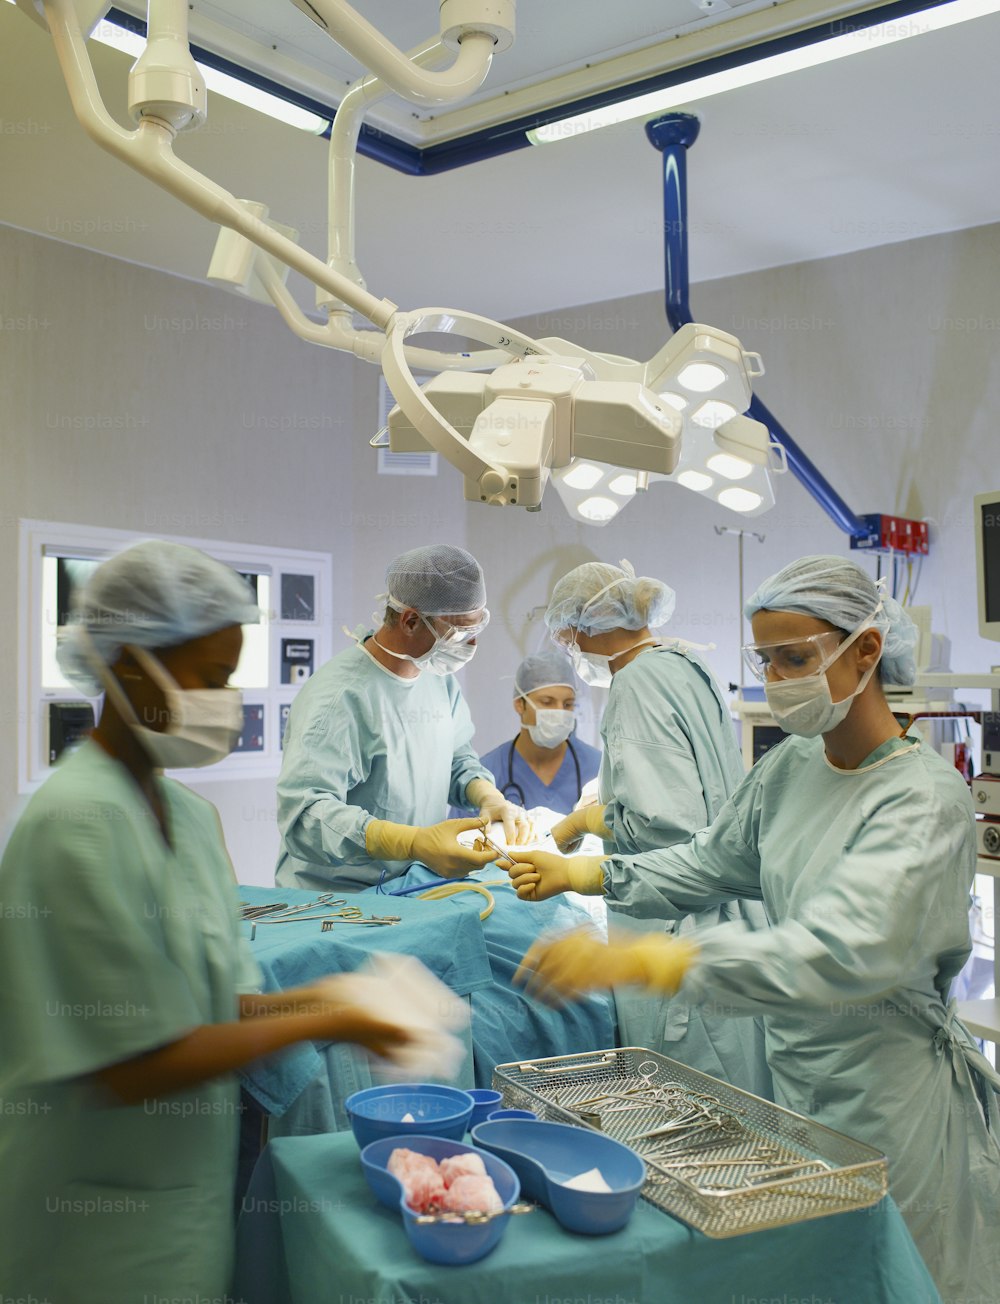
pixel 437 580
pixel 840 592
pixel 543 670
pixel 152 595
pixel 628 601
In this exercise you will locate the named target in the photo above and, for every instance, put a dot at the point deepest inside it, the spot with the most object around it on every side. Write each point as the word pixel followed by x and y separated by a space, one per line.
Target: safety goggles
pixel 793 658
pixel 563 638
pixel 453 633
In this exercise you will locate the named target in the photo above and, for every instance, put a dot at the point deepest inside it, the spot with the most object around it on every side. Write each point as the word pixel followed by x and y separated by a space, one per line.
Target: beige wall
pixel 142 402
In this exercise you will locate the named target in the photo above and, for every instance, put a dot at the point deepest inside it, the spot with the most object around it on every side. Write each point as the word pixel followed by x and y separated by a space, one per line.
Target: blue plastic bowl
pixel 499 1114
pixel 442 1242
pixel 437 1111
pixel 546 1155
pixel 486 1102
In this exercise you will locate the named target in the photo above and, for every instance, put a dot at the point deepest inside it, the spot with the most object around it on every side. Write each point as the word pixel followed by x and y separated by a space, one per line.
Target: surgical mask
pixel 445 658
pixel 593 667
pixel 805 706
pixel 204 723
pixel 552 727
pixel 448 654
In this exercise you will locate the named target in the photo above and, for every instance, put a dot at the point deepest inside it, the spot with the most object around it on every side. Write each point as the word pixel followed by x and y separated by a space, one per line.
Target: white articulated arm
pixel 341 256
pixel 149 150
pixel 480 27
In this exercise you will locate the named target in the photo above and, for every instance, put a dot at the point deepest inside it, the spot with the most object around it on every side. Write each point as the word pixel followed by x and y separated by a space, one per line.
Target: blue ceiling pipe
pixel 672 135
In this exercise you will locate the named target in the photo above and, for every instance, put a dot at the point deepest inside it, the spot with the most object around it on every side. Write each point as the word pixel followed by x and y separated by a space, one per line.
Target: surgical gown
pixel 112 944
pixel 670 762
pixel 363 743
pixel 520 784
pixel 865 876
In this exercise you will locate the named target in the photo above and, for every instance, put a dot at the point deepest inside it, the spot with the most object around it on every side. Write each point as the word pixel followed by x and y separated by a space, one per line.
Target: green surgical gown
pixel 362 743
pixel 112 944
pixel 865 876
pixel 670 762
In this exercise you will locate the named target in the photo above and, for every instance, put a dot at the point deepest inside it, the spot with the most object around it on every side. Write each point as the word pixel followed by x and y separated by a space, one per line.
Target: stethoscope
pixel 513 785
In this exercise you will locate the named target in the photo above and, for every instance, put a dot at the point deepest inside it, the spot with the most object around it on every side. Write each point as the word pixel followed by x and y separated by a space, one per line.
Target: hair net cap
pixel 840 592
pixel 152 595
pixel 628 601
pixel 543 670
pixel 437 580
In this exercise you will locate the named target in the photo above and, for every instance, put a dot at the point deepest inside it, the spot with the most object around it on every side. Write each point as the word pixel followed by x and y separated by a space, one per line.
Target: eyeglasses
pixel 793 658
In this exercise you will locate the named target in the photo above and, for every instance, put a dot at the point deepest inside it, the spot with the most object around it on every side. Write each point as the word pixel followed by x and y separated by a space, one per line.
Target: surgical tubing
pixel 350 30
pixel 453 889
pixel 149 151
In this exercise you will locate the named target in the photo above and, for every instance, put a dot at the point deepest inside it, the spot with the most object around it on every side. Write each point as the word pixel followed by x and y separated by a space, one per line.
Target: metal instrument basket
pixel 712 1185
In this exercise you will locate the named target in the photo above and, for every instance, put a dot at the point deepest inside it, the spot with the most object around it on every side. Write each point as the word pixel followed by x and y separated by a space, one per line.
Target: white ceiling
pixel 554 38
pixel 894 144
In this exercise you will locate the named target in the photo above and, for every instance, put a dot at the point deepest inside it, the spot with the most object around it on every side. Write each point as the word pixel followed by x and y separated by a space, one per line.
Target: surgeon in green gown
pixel 127 997
pixel 860 841
pixel 379 741
pixel 670 761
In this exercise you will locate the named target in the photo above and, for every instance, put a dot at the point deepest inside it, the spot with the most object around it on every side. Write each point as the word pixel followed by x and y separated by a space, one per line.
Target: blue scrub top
pixel 522 785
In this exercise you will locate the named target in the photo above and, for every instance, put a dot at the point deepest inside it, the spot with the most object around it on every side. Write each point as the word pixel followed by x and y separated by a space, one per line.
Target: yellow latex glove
pixel 569 833
pixel 436 845
pixel 539 875
pixel 518 826
pixel 562 970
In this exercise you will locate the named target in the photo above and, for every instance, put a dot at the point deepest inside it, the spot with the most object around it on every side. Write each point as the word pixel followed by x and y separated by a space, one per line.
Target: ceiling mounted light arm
pixel 475 28
pixel 342 334
pixel 149 150
pixel 672 135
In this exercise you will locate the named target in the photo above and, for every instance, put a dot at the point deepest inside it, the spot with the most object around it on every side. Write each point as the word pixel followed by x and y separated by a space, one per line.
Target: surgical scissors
pixel 484 837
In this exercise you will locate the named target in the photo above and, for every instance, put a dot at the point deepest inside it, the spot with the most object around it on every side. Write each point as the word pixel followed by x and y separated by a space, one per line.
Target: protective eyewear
pixel 793 658
pixel 461 633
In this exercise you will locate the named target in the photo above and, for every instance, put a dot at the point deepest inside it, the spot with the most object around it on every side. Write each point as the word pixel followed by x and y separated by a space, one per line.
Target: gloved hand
pixel 436 845
pixel 580 962
pixel 518 826
pixel 539 875
pixel 343 1014
pixel 569 832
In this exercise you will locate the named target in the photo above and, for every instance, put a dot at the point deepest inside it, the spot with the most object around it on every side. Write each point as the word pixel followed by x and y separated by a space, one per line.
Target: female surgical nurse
pixel 128 997
pixel 670 761
pixel 860 842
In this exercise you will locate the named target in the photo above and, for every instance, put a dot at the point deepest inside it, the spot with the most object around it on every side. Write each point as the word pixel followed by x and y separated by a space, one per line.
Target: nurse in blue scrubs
pixel 545 764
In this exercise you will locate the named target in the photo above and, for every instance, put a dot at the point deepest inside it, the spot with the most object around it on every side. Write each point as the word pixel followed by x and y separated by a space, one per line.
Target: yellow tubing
pixel 452 889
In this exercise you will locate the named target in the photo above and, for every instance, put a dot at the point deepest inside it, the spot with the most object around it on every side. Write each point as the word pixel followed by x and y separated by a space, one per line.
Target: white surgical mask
pixel 552 727
pixel 204 723
pixel 447 655
pixel 593 667
pixel 805 706
pixel 445 658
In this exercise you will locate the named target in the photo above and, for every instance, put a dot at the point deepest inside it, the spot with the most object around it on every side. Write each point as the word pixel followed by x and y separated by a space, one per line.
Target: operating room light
pixel 695 480
pixel 120 38
pixel 583 476
pixel 598 508
pixel 760 70
pixel 712 414
pixel 674 400
pixel 702 377
pixel 729 467
pixel 623 484
pixel 739 500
